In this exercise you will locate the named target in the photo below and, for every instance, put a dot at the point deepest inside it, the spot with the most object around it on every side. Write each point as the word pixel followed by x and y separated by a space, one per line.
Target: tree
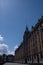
pixel 1 59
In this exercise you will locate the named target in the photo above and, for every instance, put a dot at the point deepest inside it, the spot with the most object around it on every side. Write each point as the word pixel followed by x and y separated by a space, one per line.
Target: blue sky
pixel 14 15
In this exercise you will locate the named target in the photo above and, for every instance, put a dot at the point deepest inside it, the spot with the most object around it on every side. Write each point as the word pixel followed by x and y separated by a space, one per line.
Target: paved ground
pixel 14 64
pixel 23 64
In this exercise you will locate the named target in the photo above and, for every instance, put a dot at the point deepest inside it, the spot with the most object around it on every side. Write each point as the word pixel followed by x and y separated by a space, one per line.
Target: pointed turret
pixel 26 28
pixel 27 32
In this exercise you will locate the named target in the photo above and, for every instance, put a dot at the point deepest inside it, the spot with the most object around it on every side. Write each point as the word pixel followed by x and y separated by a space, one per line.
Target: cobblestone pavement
pixel 14 64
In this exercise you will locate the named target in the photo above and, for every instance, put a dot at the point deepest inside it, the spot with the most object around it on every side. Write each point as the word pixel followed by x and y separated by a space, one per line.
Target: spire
pixel 26 28
pixel 26 34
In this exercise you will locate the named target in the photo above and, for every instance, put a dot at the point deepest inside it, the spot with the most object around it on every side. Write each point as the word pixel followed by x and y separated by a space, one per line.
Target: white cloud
pixel 1 38
pixel 3 49
pixel 15 47
pixel 13 52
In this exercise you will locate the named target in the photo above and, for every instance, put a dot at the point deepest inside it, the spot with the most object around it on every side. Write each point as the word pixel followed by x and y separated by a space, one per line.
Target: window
pixel 34 56
pixel 30 58
pixel 41 54
pixel 42 43
pixel 40 46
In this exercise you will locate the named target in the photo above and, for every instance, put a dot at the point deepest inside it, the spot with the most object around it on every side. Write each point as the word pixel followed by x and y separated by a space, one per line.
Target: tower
pixel 25 40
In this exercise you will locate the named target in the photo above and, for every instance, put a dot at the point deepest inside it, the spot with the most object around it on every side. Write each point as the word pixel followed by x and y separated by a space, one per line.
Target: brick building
pixel 31 49
pixel 35 42
pixel 19 53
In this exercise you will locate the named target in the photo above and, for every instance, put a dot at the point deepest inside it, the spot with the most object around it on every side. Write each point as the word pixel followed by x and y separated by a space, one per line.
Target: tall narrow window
pixel 41 54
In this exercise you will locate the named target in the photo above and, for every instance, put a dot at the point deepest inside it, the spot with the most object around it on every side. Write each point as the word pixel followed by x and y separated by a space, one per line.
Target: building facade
pixel 36 41
pixel 19 53
pixel 31 49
